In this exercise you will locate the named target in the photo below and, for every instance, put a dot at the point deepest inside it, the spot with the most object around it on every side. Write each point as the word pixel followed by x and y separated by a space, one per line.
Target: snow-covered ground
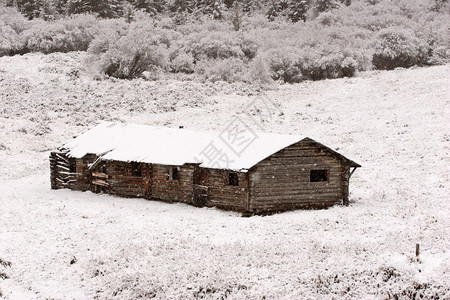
pixel 63 244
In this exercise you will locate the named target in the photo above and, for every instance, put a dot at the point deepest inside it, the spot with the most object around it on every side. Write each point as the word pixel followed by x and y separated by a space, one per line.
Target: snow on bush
pixel 70 34
pixel 12 23
pixel 337 43
pixel 229 70
pixel 259 72
pixel 182 62
pixel 215 45
pixel 397 47
pixel 283 64
pixel 141 48
pixel 9 40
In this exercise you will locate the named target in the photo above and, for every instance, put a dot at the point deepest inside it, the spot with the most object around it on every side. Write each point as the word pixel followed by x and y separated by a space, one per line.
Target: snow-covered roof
pixel 234 150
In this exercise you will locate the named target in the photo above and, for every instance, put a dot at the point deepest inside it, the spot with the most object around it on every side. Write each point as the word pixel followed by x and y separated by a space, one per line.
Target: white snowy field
pixel 63 244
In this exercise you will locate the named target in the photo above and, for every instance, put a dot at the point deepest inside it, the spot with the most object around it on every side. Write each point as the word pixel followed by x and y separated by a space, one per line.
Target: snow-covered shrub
pixel 221 45
pixel 142 48
pixel 283 64
pixel 183 62
pixel 229 70
pixel 249 46
pixel 329 19
pixel 435 34
pixel 9 40
pixel 44 37
pixel 398 47
pixel 80 31
pixel 69 34
pixel 320 60
pixel 12 23
pixel 439 55
pixel 215 45
pixel 327 63
pixel 259 72
pixel 14 19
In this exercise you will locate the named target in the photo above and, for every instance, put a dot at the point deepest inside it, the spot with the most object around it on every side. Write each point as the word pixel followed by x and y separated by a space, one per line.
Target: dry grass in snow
pixel 63 244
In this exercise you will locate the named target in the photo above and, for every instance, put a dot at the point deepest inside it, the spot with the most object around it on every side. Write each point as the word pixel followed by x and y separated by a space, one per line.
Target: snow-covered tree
pixel 326 5
pixel 297 10
pixel 236 16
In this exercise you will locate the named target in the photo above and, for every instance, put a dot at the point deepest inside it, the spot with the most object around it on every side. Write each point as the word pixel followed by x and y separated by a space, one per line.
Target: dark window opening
pixel 318 175
pixel 174 173
pixel 104 168
pixel 136 169
pixel 72 165
pixel 233 179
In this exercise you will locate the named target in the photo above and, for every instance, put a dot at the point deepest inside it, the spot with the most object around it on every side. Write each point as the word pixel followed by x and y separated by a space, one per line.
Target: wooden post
pixel 417 250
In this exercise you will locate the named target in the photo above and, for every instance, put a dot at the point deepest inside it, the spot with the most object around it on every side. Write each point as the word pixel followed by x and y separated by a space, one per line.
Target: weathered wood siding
pixel 164 188
pixel 120 179
pixel 83 174
pixel 225 196
pixel 154 182
pixel 62 177
pixel 282 181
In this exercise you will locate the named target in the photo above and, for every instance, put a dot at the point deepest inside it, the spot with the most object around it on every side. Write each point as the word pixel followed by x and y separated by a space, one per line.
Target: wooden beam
pixel 65 159
pixel 353 171
pixel 100 175
pixel 100 182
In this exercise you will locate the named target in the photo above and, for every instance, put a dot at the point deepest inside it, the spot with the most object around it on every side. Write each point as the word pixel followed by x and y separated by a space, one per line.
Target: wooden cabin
pixel 273 173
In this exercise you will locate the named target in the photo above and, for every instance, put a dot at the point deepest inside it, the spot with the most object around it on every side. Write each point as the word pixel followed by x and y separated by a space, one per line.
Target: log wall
pixel 116 177
pixel 61 175
pixel 83 174
pixel 164 188
pixel 225 196
pixel 282 181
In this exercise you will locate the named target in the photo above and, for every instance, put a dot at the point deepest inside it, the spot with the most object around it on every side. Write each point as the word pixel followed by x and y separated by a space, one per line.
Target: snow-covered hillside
pixel 63 244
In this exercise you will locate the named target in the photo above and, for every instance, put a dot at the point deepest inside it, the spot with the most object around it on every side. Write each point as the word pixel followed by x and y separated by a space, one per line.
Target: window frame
pixel 136 169
pixel 172 175
pixel 327 175
pixel 233 179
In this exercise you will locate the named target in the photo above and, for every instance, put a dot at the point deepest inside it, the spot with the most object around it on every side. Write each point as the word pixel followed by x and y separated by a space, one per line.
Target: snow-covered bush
pixel 439 55
pixel 398 47
pixel 229 70
pixel 283 64
pixel 249 46
pixel 12 23
pixel 9 40
pixel 329 19
pixel 435 34
pixel 142 48
pixel 259 72
pixel 220 45
pixel 330 62
pixel 216 45
pixel 183 62
pixel 11 17
pixel 69 34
